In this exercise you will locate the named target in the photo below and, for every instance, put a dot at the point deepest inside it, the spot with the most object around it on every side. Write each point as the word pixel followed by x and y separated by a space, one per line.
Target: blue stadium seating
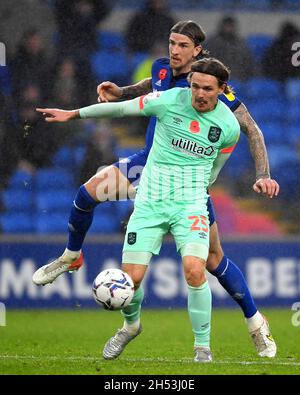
pixel 292 5
pixel 104 223
pixel 18 200
pixel 52 178
pixel 271 109
pixel 137 59
pixel 52 201
pixel 292 89
pixel 110 65
pixel 111 41
pixel 64 157
pixel 258 88
pixel 261 5
pixel 240 160
pixel 293 134
pixel 281 154
pixel 293 112
pixel 273 132
pixel 17 223
pixel 259 43
pixel 51 223
pixel 21 180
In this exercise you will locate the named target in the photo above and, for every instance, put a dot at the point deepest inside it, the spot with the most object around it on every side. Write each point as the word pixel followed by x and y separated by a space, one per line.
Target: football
pixel 113 289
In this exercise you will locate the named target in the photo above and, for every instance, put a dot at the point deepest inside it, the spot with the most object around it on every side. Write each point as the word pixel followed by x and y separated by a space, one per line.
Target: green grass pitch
pixel 71 341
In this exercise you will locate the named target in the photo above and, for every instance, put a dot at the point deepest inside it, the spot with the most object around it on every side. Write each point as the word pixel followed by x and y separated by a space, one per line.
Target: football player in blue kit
pixel 119 179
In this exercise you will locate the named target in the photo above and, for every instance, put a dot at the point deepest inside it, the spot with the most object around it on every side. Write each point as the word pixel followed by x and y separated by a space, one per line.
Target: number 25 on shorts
pixel 199 223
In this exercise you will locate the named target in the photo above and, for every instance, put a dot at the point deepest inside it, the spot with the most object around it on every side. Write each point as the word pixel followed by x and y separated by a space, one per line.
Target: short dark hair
pixel 213 67
pixel 190 29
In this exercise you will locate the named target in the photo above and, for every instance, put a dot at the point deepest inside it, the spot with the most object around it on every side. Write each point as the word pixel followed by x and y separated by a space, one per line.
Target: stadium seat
pixel 238 88
pixel 21 180
pixel 259 43
pixel 287 176
pixel 105 223
pixel 260 5
pixel 292 5
pixel 18 200
pixel 293 134
pixel 64 157
pixel 292 89
pixel 53 178
pixel 51 223
pixel 281 154
pixel 274 132
pixel 240 159
pixel 269 109
pixel 17 223
pixel 111 41
pixel 79 154
pixel 47 201
pixel 293 113
pixel 261 88
pixel 137 59
pixel 112 66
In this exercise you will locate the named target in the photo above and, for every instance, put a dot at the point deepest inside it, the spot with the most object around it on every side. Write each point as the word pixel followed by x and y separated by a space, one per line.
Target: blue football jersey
pixel 162 80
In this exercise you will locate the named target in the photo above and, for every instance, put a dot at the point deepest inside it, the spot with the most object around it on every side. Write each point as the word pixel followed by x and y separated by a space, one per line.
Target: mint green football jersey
pixel 185 146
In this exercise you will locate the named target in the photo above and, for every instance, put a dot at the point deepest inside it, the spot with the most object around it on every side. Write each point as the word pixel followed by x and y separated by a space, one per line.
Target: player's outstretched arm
pixel 264 183
pixel 108 91
pixel 57 115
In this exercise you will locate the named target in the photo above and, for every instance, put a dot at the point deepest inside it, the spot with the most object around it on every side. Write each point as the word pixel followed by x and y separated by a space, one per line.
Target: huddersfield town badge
pixel 131 238
pixel 214 134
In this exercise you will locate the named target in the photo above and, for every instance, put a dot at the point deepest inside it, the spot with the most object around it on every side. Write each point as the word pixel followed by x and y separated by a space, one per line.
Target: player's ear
pixel 197 50
pixel 222 88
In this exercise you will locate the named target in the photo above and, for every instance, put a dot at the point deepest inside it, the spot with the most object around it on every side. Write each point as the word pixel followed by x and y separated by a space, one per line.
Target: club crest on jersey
pixel 214 134
pixel 131 238
pixel 194 127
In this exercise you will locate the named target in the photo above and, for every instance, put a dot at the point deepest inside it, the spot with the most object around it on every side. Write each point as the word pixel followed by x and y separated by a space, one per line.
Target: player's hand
pixel 56 115
pixel 266 186
pixel 108 91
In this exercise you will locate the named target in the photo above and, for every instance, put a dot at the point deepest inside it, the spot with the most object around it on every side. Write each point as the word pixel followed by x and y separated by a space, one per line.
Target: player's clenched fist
pixel 267 186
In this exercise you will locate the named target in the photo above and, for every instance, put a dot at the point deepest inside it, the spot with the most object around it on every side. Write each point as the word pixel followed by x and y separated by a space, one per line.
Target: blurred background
pixel 56 54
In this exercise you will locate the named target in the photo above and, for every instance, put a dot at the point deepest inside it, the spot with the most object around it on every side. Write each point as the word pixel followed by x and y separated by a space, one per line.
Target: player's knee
pixel 195 272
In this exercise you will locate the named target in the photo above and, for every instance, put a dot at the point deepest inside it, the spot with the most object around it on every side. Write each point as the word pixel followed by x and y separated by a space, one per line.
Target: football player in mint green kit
pixel 194 135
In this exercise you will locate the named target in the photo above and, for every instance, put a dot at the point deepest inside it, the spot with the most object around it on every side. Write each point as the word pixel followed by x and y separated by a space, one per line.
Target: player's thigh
pixel 215 249
pixel 144 234
pixel 190 227
pixel 109 184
